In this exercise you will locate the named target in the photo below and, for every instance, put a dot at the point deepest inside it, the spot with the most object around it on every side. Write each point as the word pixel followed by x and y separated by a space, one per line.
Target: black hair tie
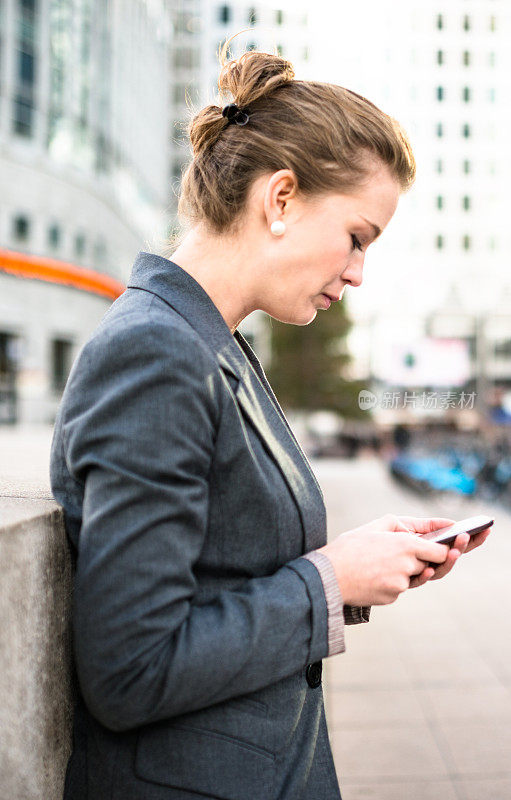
pixel 235 114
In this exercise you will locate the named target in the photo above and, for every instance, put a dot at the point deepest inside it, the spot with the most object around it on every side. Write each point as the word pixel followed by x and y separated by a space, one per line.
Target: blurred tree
pixel 308 364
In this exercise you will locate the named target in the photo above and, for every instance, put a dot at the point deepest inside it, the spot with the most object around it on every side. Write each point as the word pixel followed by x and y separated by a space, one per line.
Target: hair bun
pixel 252 75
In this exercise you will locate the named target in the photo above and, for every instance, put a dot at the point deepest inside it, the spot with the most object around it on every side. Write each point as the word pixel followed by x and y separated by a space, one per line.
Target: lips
pixel 331 297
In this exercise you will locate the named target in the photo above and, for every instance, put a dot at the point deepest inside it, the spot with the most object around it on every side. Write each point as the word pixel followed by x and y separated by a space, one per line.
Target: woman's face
pixel 324 244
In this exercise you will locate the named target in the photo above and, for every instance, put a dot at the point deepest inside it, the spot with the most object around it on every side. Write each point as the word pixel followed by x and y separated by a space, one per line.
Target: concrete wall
pixel 35 648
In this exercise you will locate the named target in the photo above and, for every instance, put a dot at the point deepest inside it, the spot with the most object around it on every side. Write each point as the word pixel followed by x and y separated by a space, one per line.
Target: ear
pixel 280 188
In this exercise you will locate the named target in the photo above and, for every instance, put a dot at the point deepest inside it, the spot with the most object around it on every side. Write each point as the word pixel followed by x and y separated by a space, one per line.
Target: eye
pixel 356 243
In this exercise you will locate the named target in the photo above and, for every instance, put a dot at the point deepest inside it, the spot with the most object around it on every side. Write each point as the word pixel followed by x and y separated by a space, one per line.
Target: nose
pixel 353 274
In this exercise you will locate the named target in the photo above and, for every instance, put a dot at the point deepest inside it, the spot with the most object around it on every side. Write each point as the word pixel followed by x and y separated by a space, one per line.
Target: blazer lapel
pixel 264 381
pixel 252 391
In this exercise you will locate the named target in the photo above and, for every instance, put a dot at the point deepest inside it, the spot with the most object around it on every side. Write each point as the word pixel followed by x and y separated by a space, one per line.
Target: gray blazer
pixel 198 628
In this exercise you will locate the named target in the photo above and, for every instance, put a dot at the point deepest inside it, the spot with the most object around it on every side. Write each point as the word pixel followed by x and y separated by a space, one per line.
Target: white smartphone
pixel 472 525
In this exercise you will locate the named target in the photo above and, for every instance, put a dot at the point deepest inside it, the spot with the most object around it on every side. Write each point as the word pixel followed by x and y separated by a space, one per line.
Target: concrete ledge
pixel 36 694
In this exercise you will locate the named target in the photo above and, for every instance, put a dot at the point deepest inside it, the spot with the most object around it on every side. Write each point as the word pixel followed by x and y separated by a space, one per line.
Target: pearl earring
pixel 277 227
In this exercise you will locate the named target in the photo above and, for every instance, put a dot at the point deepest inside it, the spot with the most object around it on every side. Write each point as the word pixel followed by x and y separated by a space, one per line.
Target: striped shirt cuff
pixel 334 602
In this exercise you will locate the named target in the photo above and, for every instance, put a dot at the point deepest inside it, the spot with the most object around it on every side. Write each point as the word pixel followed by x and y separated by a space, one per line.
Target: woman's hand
pixel 377 561
pixel 462 544
pixel 420 525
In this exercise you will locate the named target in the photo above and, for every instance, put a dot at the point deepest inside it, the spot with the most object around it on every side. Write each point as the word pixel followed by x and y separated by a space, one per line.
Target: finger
pixel 445 568
pixel 424 577
pixel 391 522
pixel 461 542
pixel 478 539
pixel 430 551
pixel 426 524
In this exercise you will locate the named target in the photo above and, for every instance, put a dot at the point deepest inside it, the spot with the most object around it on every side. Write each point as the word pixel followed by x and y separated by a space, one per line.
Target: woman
pixel 205 593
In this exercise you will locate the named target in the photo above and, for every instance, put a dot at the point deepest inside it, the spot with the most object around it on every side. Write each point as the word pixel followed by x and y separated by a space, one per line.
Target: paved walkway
pixel 419 705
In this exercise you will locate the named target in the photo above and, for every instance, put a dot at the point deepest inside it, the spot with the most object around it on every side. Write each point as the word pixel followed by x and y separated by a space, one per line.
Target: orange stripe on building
pixel 49 269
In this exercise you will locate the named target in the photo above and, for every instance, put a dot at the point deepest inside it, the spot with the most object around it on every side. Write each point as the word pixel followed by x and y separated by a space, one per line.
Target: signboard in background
pixel 424 362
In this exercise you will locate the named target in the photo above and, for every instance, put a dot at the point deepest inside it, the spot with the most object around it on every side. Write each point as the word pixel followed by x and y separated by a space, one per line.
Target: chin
pixel 295 319
pixel 294 315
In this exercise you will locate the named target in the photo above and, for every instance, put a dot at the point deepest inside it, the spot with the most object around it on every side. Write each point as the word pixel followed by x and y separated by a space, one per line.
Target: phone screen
pixel 472 525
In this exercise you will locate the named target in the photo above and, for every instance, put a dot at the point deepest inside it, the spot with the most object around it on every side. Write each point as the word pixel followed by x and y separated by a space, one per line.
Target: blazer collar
pixel 180 290
pixel 252 392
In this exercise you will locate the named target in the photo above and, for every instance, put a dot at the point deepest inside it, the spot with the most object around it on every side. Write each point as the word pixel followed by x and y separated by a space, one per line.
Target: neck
pixel 220 265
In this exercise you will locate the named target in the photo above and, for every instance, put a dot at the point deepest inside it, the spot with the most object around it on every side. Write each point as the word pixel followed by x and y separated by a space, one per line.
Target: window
pixel 186 58
pixel 466 203
pixel 466 94
pixel 439 241
pixel 465 130
pixel 60 362
pixel 100 252
pixel 26 68
pixel 21 228
pixel 177 170
pixel 103 153
pixel 280 50
pixel 491 59
pixel 178 93
pixel 467 166
pixel 22 119
pixel 252 16
pixel 54 236
pixel 493 23
pixel 439 56
pixel 439 129
pixel 185 22
pixel 466 58
pixel 179 133
pixel 491 95
pixel 252 46
pixel 439 22
pixel 439 165
pixel 466 242
pixel 224 15
pixel 467 24
pixel 79 245
pixel 439 92
pixel 279 17
pixel 472 345
pixel 440 201
pixel 9 358
pixel 182 91
pixel 502 349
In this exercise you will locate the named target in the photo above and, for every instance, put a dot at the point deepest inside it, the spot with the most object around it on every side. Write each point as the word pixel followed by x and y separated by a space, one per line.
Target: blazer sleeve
pixel 139 428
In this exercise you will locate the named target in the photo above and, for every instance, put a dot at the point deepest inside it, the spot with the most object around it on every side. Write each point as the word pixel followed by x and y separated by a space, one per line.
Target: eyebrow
pixel 375 228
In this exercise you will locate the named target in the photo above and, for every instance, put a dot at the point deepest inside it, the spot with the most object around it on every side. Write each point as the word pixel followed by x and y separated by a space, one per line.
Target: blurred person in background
pixel 205 593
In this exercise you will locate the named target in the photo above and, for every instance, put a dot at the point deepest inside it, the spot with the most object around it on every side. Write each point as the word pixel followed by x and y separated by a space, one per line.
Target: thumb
pixel 426 524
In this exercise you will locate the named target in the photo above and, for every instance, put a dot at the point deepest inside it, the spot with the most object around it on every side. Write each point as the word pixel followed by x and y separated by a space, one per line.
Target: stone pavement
pixel 24 461
pixel 419 705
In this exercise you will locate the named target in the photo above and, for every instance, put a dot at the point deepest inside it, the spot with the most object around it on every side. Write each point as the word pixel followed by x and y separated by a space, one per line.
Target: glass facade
pixel 23 117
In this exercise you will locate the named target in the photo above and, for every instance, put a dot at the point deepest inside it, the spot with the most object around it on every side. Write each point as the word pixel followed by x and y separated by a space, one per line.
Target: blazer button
pixel 313 674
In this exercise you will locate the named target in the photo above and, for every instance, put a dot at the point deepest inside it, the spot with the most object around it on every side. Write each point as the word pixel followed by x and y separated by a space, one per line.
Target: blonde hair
pixel 330 137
